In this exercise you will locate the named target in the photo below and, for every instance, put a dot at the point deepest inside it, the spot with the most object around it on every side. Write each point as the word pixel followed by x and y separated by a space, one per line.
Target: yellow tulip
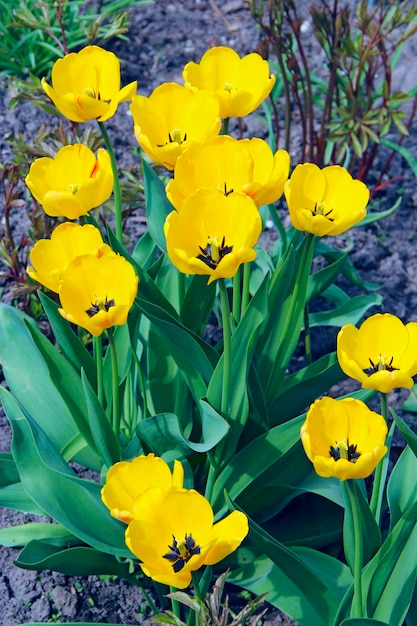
pixel 381 354
pixel 325 201
pixel 239 84
pixel 229 165
pixel 73 182
pixel 343 438
pixel 98 292
pixel 50 258
pixel 213 233
pixel 173 534
pixel 166 122
pixel 127 480
pixel 86 85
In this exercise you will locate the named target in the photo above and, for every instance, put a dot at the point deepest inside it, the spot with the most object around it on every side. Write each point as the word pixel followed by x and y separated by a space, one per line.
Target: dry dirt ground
pixel 162 38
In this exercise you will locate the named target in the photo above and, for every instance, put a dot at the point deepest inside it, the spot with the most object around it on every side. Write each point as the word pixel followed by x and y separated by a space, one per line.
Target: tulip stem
pixel 246 284
pixel 307 335
pixel 380 470
pixel 352 503
pixel 174 603
pixel 225 126
pixel 98 357
pixel 227 347
pixel 115 384
pixel 237 296
pixel 116 188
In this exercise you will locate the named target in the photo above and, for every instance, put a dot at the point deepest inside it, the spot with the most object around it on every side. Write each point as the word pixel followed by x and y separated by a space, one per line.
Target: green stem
pixel 380 473
pixel 115 384
pixel 245 288
pixel 175 604
pixel 225 126
pixel 352 503
pixel 116 188
pixel 227 347
pixel 98 357
pixel 307 335
pixel 237 296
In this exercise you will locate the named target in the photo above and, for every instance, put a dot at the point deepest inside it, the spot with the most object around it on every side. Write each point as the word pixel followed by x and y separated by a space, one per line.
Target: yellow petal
pixel 226 536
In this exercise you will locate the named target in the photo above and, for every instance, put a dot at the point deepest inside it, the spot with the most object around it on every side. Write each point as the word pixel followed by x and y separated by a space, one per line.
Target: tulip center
pixel 381 363
pixel 344 450
pixel 213 253
pixel 320 208
pixel 73 188
pixel 89 91
pixel 181 552
pixel 229 87
pixel 100 305
pixel 177 135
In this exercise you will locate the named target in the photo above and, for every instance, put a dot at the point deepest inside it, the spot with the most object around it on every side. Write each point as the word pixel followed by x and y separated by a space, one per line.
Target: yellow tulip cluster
pixel 96 286
pixel 169 528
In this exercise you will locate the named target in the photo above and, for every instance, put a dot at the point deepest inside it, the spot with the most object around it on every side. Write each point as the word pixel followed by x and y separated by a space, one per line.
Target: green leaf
pixel 158 207
pixel 409 436
pixel 197 303
pixel 78 561
pixel 21 535
pixel 349 313
pixel 300 389
pixel 402 486
pixel 319 281
pixel 376 216
pixel 15 497
pixel 404 152
pixel 163 433
pixel 363 621
pixel 71 501
pixel 389 578
pixel 371 535
pixel 105 440
pixel 8 470
pixel 69 343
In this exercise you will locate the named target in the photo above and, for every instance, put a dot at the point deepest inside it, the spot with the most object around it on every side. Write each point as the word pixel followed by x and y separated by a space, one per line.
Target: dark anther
pixel 227 192
pixel 206 254
pixel 96 308
pixel 180 555
pixel 352 455
pixel 378 366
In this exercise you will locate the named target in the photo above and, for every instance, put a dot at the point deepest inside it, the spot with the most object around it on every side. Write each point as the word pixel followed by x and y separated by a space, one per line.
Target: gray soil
pixel 162 39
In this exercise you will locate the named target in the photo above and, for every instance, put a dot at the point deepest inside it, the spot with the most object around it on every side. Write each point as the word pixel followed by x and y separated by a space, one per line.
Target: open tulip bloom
pixel 343 438
pixel 213 233
pixel 229 164
pixel 239 84
pixel 50 258
pixel 173 116
pixel 73 182
pixel 325 201
pixel 173 534
pixel 86 85
pixel 381 354
pixel 98 292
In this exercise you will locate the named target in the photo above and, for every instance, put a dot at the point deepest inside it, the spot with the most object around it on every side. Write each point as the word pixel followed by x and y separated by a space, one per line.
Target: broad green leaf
pixel 371 535
pixel 242 346
pixel 22 534
pixel 300 389
pixel 163 433
pixel 145 251
pixel 363 621
pixel 69 343
pixel 349 313
pixel 78 561
pixel 197 303
pixel 255 459
pixel 15 497
pixel 105 440
pixel 73 502
pixel 322 279
pixel 402 486
pixel 8 470
pixel 389 578
pixel 44 388
pixel 376 216
pixel 158 207
pixel 349 270
pixel 409 436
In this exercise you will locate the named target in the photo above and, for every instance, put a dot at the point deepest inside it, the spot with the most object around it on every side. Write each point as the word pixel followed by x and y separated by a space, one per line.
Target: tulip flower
pixel 73 182
pixel 86 85
pixel 239 84
pixel 98 292
pixel 381 354
pixel 173 534
pixel 213 233
pixel 50 258
pixel 343 438
pixel 127 480
pixel 166 122
pixel 230 164
pixel 325 201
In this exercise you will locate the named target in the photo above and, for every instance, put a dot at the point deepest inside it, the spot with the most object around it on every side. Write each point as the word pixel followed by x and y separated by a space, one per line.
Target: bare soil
pixel 162 39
